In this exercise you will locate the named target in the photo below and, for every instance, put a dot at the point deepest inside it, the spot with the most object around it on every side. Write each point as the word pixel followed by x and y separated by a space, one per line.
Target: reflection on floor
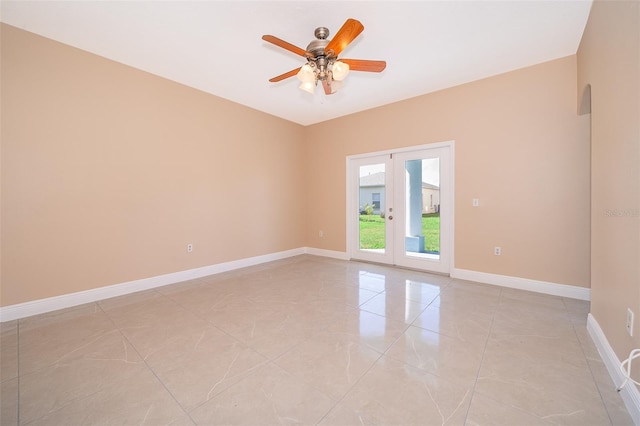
pixel 310 340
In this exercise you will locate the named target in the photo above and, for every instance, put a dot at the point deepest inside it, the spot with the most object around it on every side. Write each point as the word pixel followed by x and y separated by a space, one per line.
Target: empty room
pixel 322 213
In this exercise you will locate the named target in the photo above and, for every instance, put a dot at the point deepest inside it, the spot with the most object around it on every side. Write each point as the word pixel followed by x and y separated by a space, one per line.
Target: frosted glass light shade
pixel 306 74
pixel 340 70
pixel 308 86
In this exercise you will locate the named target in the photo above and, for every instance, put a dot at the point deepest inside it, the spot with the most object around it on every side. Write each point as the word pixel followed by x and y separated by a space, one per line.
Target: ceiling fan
pixel 322 58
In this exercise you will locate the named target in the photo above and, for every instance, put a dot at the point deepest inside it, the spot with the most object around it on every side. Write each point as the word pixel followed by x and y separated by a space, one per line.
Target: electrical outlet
pixel 320 234
pixel 497 251
pixel 189 248
pixel 630 322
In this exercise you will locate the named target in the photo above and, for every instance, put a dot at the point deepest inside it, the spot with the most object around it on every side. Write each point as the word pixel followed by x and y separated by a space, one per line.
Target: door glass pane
pixel 422 230
pixel 371 199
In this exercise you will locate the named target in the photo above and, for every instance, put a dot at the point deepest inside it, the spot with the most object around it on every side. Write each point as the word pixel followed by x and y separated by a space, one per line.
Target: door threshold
pixel 406 268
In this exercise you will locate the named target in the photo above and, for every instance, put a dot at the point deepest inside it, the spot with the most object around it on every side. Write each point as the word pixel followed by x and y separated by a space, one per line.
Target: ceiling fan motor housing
pixel 321 33
pixel 320 59
pixel 316 47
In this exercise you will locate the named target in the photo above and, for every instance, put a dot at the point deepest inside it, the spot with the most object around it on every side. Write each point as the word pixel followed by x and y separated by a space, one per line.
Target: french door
pixel 400 207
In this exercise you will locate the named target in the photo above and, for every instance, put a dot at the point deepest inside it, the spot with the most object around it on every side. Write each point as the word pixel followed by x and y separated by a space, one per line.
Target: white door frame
pixel 447 247
pixel 353 182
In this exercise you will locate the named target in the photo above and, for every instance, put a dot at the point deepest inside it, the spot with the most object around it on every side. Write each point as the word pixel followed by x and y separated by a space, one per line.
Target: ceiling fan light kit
pixel 322 58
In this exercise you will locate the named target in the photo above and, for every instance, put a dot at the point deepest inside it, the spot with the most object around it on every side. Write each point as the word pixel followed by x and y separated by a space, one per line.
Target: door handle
pixel 390 217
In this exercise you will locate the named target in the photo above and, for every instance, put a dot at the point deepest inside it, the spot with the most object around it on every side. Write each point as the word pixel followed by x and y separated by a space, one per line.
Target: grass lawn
pixel 372 232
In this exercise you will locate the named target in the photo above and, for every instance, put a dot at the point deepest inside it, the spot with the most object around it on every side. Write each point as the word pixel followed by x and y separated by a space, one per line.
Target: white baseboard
pixel 630 394
pixel 327 253
pixel 554 289
pixel 22 310
pixel 40 306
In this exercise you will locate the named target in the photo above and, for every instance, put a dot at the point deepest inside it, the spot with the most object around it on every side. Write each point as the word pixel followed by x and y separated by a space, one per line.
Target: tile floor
pixel 310 340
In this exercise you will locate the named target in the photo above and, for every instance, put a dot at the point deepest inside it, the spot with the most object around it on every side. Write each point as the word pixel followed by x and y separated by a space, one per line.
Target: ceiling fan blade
pixel 345 35
pixel 285 75
pixel 364 65
pixel 326 87
pixel 288 46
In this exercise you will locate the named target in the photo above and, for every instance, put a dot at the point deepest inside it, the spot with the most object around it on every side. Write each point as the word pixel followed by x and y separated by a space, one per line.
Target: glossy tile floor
pixel 310 340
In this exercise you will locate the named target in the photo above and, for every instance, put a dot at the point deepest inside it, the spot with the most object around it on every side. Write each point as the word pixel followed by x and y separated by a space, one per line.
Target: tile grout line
pixel 593 377
pixel 268 360
pixel 212 324
pixel 382 354
pixel 484 351
pixel 356 309
pixel 273 360
pixel 361 377
pixel 43 367
pixel 339 400
pixel 145 362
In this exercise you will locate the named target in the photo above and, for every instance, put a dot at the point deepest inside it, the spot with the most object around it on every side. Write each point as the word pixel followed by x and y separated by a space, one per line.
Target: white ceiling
pixel 216 46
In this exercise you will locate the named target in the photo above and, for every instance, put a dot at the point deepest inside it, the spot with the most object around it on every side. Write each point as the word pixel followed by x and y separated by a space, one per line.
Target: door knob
pixel 390 217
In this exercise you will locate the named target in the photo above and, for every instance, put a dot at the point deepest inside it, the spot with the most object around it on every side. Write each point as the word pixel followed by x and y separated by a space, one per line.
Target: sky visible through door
pixel 430 171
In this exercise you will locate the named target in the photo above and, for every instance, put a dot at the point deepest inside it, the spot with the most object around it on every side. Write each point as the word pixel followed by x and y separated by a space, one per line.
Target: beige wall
pixel 609 61
pixel 520 148
pixel 108 172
